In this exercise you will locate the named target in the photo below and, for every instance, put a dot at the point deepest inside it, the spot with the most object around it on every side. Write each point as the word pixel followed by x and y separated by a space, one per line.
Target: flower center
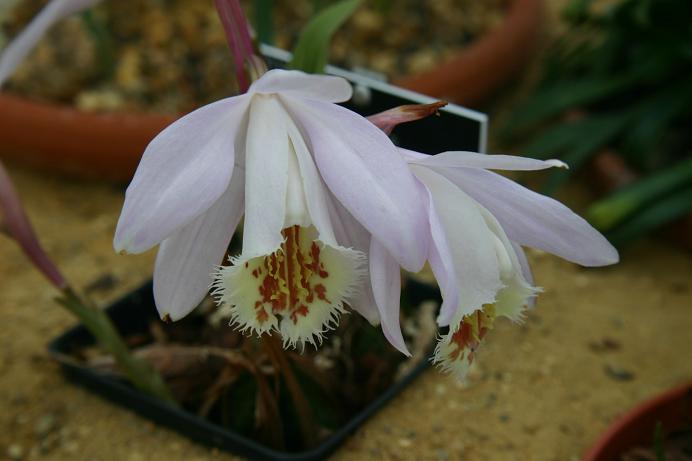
pixel 290 278
pixel 471 332
pixel 299 289
pixel 455 352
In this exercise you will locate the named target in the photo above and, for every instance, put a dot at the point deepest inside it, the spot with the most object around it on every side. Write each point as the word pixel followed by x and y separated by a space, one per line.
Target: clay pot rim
pixel 599 449
pixel 109 145
pixel 479 69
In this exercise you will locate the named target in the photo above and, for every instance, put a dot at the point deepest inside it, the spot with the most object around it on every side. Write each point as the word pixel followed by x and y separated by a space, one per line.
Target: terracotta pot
pixel 485 65
pixel 61 138
pixel 672 408
pixel 109 146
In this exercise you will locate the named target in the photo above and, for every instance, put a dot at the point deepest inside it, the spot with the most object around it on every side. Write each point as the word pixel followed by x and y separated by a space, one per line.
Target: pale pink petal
pixel 470 241
pixel 266 163
pixel 182 173
pixel 442 265
pixel 386 286
pixel 523 262
pixel 411 156
pixel 517 292
pixel 490 162
pixel 525 270
pixel 187 258
pixel 534 220
pixel 364 171
pixel 351 234
pixel 315 191
pixel 297 84
pixel 15 52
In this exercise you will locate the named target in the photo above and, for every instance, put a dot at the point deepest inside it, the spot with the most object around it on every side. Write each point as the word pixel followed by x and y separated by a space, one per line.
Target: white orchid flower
pixel 478 222
pixel 289 159
pixel 15 52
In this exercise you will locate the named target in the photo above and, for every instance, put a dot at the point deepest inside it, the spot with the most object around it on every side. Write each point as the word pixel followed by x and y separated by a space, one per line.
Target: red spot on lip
pixel 289 280
pixel 302 310
pixel 466 338
pixel 321 291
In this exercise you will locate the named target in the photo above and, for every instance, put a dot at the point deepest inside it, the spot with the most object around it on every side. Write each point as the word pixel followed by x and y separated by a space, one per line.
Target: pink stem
pixel 238 37
pixel 242 28
pixel 14 220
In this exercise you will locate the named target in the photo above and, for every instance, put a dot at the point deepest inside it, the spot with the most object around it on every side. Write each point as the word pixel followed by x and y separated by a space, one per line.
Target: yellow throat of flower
pixel 299 289
pixel 455 352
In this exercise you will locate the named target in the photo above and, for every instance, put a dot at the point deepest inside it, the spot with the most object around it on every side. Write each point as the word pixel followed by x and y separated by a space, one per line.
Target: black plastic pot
pixel 456 128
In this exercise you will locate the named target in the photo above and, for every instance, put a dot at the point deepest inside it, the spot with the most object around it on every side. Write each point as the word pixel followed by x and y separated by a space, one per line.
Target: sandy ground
pixel 599 341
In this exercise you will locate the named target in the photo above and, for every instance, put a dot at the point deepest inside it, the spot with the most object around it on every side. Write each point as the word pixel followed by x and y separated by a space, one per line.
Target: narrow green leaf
pixel 657 214
pixel 103 42
pixel 609 212
pixel 310 53
pixel 559 138
pixel 594 134
pixel 99 324
pixel 643 141
pixel 263 14
pixel 562 96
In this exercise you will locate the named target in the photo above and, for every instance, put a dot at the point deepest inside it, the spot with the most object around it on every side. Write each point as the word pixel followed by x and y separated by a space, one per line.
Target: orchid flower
pixel 478 222
pixel 22 45
pixel 301 169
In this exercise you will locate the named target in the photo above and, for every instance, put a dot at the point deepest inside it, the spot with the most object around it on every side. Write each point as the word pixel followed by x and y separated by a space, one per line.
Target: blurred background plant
pixel 618 83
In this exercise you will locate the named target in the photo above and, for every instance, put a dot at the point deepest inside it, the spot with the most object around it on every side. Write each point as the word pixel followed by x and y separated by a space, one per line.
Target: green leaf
pixel 577 11
pixel 658 213
pixel 643 142
pixel 559 138
pixel 607 213
pixel 99 324
pixel 592 134
pixel 562 96
pixel 310 53
pixel 264 20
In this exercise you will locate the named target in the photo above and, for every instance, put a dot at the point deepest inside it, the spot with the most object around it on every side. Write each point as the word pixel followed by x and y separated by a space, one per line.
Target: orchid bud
pixel 389 119
pixel 14 222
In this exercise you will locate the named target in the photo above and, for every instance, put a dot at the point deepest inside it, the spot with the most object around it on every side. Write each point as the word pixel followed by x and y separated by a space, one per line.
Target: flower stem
pixel 238 36
pixel 300 402
pixel 99 324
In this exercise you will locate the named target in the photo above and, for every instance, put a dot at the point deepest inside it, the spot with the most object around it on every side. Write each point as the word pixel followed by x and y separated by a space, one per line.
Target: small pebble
pixel 618 373
pixel 15 452
pixel 45 425
pixel 405 443
pixel 605 345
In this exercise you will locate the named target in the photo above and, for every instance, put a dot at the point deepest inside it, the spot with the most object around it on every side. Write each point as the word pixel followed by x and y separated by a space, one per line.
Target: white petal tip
pixel 608 257
pixel 557 163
